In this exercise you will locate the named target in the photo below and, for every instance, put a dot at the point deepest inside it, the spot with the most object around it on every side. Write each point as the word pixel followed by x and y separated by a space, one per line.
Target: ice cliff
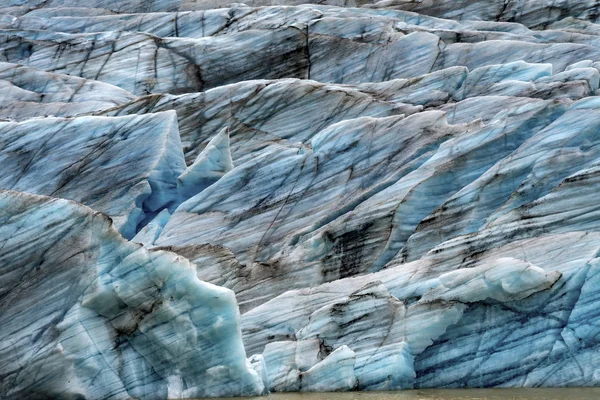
pixel 203 198
pixel 85 313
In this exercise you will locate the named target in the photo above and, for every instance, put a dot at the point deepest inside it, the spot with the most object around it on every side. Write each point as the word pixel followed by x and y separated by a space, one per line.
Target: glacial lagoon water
pixel 448 394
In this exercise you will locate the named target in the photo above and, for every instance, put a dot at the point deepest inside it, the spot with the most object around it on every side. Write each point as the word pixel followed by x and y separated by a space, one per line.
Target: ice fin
pixel 210 165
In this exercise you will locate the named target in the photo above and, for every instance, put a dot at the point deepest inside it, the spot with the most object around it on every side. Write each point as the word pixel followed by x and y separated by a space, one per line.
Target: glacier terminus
pixel 203 198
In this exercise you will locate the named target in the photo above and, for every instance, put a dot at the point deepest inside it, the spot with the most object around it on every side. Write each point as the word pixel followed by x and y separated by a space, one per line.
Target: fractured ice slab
pixel 521 180
pixel 481 80
pixel 142 64
pixel 288 113
pixel 28 92
pixel 210 166
pixel 287 361
pixel 367 58
pixel 185 24
pixel 431 89
pixel 262 112
pixel 504 279
pixel 532 13
pixel 340 166
pixel 382 188
pixel 474 55
pixel 302 42
pixel 88 314
pixel 385 333
pixel 123 166
pixel 334 373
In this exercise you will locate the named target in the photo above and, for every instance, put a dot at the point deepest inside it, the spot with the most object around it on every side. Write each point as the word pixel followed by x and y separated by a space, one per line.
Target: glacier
pixel 87 313
pixel 215 199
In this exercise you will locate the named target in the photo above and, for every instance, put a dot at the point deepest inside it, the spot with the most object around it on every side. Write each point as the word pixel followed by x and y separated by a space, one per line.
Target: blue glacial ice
pixel 203 199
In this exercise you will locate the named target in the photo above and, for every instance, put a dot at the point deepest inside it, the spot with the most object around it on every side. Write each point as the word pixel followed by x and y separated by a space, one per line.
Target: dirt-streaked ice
pixel 373 195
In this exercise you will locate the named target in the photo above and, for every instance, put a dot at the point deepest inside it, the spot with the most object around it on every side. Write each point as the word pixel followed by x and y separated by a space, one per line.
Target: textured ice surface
pixel 401 194
pixel 162 65
pixel 28 92
pixel 123 166
pixel 87 313
pixel 210 165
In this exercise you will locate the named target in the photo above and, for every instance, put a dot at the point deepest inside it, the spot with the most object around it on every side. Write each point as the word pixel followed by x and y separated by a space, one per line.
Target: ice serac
pixel 379 184
pixel 85 313
pixel 259 113
pixel 340 166
pixel 210 166
pixel 126 167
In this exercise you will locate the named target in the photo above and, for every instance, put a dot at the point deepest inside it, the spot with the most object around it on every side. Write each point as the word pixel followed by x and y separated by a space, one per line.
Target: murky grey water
pixel 449 394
